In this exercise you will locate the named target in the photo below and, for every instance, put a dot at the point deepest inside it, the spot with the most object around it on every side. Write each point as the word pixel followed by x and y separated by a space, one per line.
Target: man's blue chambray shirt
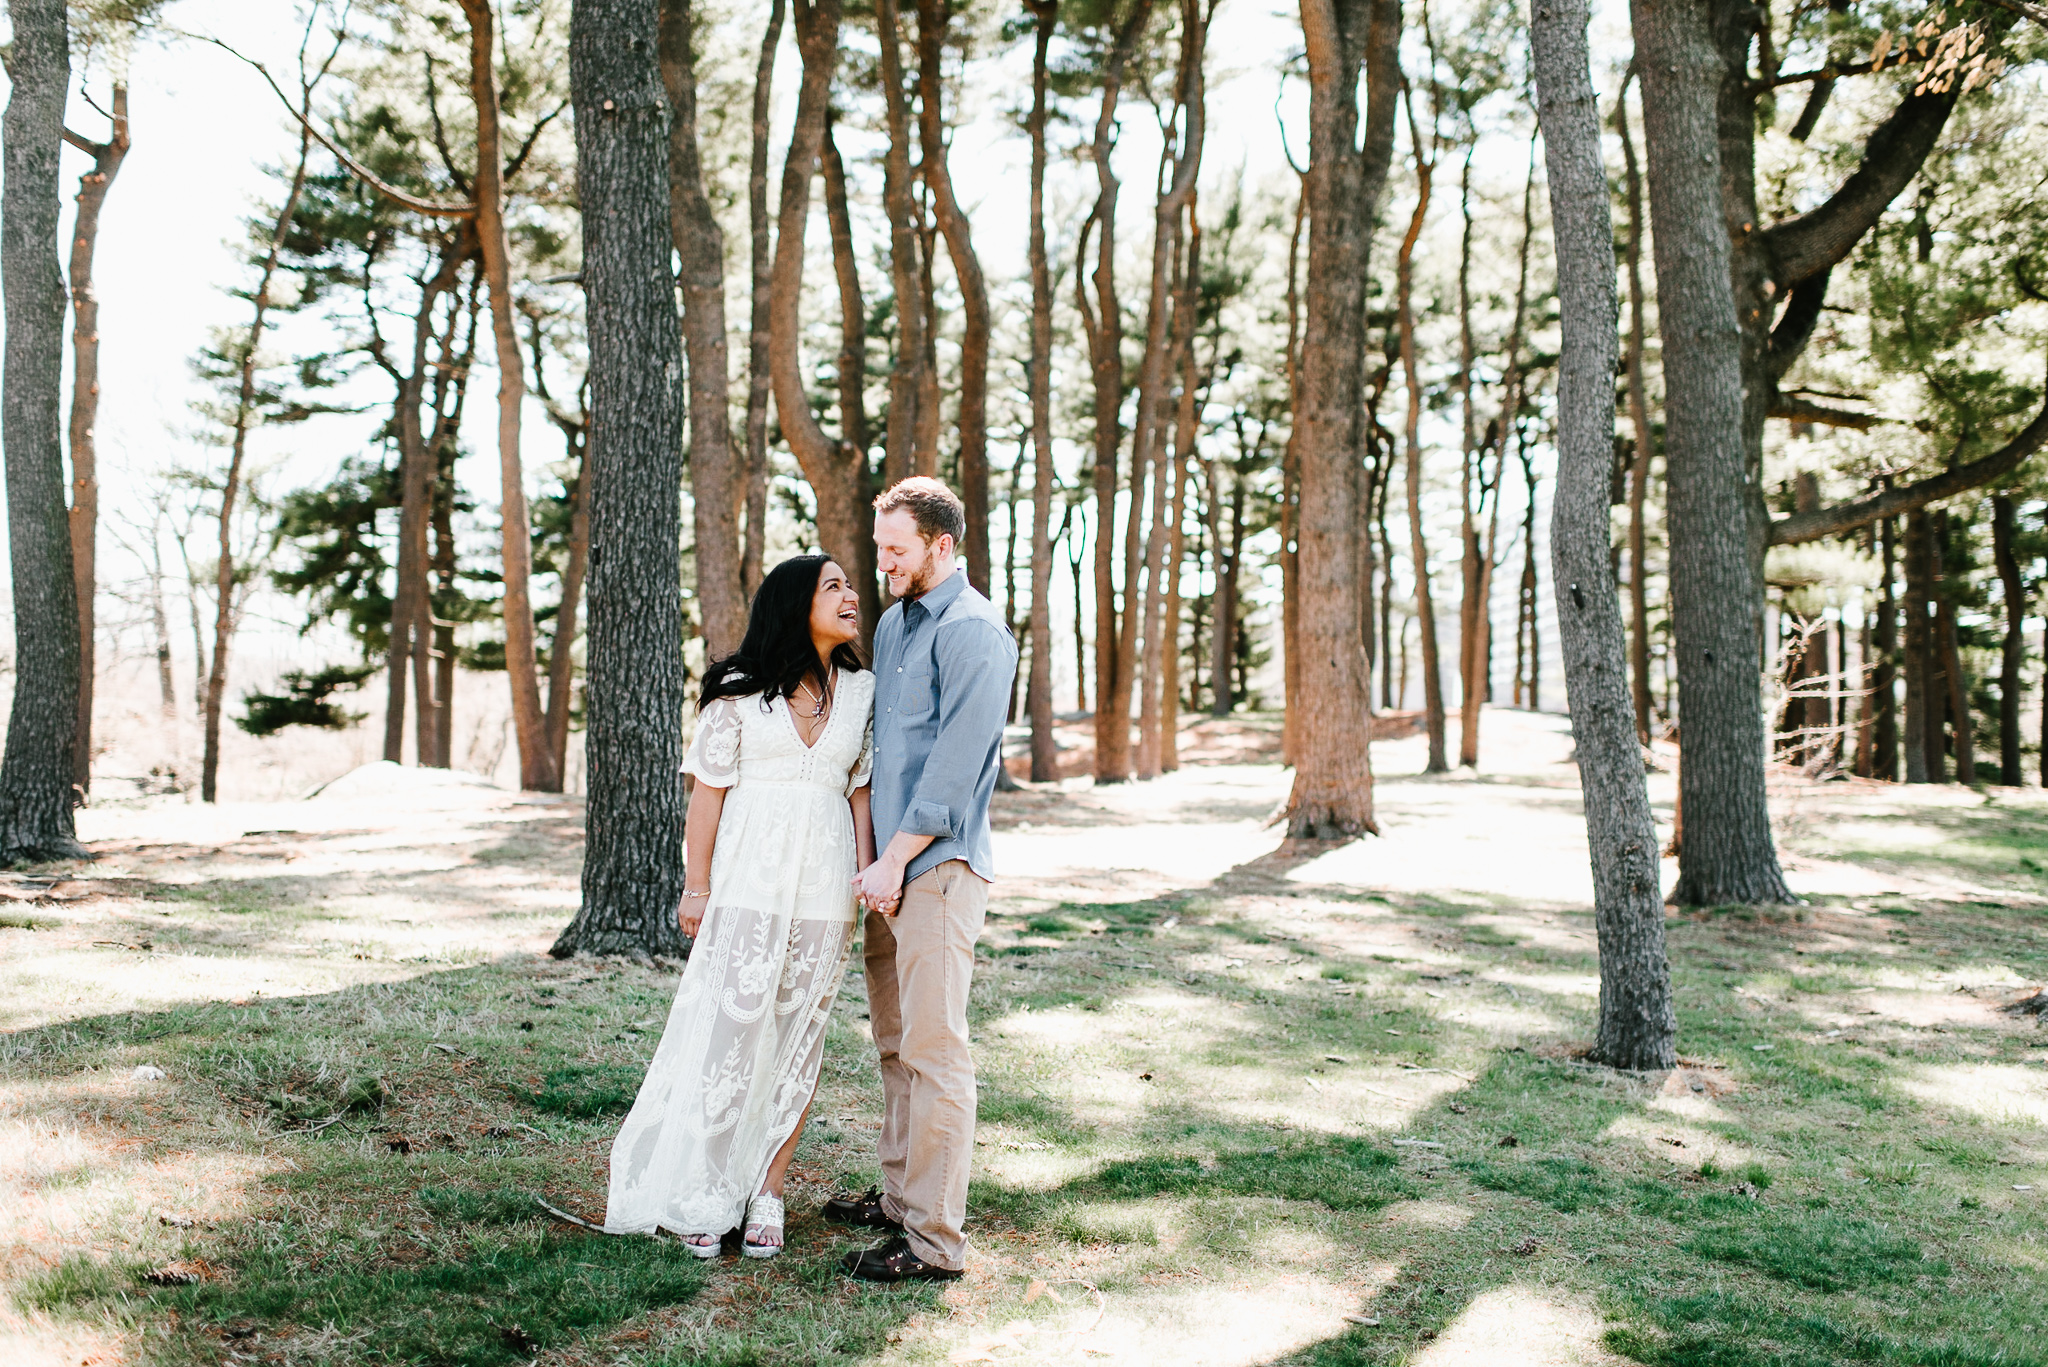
pixel 943 668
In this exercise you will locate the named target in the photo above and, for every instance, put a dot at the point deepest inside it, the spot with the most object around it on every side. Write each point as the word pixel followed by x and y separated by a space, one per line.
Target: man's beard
pixel 923 579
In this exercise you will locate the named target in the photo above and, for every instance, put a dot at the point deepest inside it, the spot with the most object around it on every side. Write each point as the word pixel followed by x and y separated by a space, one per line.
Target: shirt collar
pixel 940 596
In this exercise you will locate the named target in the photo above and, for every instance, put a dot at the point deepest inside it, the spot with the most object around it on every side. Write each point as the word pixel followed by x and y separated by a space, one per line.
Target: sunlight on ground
pixel 1425 991
pixel 1520 1326
pixel 1681 1145
pixel 2001 1092
pixel 1197 1324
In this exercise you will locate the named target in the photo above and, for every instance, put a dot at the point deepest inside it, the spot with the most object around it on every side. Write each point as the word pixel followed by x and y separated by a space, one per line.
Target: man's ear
pixel 945 544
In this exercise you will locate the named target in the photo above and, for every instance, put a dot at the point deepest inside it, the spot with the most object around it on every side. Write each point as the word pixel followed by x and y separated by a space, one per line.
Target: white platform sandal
pixel 763 1212
pixel 710 1250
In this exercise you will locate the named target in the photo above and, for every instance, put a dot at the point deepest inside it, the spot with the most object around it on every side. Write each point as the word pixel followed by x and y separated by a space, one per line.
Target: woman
pixel 777 827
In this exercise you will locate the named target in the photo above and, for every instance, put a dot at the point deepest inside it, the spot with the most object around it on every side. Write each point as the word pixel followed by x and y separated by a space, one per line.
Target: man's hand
pixel 879 886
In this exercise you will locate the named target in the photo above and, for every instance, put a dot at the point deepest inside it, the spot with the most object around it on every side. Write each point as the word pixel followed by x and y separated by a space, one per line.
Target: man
pixel 944 660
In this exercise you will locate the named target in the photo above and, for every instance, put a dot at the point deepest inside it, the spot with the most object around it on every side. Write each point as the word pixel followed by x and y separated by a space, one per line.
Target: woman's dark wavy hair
pixel 777 653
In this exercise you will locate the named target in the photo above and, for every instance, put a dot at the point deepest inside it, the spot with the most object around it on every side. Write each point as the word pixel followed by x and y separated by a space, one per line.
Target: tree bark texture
pixel 836 471
pixel 1168 328
pixel 634 693
pixel 1728 855
pixel 1045 758
pixel 952 223
pixel 224 613
pixel 1471 555
pixel 1332 792
pixel 852 365
pixel 1102 320
pixel 411 634
pixel 1639 424
pixel 759 380
pixel 1418 544
pixel 1638 1025
pixel 451 392
pixel 853 371
pixel 1884 640
pixel 85 406
pixel 717 480
pixel 515 540
pixel 1918 643
pixel 2012 658
pixel 906 256
pixel 37 772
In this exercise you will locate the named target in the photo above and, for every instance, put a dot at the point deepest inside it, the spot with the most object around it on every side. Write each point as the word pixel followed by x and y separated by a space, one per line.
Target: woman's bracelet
pixel 705 893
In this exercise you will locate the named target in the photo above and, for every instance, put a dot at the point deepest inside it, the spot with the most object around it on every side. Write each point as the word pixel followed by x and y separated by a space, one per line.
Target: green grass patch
pixel 499 1305
pixel 585 1092
pixel 472 1206
pixel 1819 1249
pixel 1566 1184
pixel 1343 1174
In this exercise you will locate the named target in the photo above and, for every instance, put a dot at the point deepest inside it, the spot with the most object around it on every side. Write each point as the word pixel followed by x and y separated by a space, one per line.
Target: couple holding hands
pixel 804 760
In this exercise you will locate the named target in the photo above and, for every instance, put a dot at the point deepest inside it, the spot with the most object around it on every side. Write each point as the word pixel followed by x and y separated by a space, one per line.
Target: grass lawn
pixel 1259 1119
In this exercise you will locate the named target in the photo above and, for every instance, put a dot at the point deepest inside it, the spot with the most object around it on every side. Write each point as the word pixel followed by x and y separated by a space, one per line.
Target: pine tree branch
pixel 432 208
pixel 1803 527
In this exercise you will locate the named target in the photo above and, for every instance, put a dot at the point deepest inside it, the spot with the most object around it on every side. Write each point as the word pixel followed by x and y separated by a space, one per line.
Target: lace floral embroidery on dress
pixel 739 1058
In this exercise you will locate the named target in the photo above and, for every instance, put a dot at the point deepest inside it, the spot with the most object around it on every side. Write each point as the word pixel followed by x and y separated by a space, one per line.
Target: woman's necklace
pixel 824 699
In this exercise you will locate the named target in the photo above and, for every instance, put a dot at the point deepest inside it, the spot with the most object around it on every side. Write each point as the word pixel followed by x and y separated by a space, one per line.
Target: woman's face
pixel 835 609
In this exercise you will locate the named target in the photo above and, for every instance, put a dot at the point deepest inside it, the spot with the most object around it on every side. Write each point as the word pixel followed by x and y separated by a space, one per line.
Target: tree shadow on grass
pixel 1816 1204
pixel 386 1147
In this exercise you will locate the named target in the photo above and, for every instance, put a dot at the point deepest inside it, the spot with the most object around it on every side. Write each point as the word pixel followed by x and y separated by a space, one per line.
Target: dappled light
pixel 1238 1118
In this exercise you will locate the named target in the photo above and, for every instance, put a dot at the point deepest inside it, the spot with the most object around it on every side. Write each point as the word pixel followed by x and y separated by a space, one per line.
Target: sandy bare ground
pixel 390 875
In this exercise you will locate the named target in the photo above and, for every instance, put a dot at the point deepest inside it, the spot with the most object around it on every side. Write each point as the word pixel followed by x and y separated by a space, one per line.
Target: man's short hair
pixel 937 509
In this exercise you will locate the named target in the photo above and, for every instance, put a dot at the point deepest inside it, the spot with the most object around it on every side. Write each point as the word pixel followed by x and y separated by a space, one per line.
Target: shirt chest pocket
pixel 917 697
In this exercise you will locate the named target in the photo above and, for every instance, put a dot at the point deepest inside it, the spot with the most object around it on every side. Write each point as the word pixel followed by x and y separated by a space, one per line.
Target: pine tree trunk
pixel 1332 792
pixel 1924 749
pixel 1102 320
pixel 562 649
pixel 1168 329
pixel 1221 609
pixel 852 365
pixel 2013 658
pixel 759 381
pixel 1955 682
pixel 837 473
pixel 412 631
pixel 515 535
pixel 717 482
pixel 634 696
pixel 1716 550
pixel 224 614
pixel 38 771
pixel 974 334
pixel 1884 639
pixel 1638 1025
pixel 1471 657
pixel 906 256
pixel 1290 496
pixel 1045 759
pixel 853 373
pixel 1639 423
pixel 85 406
pixel 1418 544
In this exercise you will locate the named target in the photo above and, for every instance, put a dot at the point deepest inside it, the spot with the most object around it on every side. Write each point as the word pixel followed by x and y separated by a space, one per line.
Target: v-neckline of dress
pixel 810 746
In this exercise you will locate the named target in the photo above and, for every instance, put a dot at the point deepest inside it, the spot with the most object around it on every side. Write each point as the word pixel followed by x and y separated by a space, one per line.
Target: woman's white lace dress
pixel 740 1055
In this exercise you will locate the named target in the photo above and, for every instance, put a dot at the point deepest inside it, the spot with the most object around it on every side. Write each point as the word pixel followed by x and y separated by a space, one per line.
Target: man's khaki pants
pixel 919 964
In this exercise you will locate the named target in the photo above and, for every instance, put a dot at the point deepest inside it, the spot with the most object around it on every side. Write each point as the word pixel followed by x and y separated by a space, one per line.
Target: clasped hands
pixel 879 886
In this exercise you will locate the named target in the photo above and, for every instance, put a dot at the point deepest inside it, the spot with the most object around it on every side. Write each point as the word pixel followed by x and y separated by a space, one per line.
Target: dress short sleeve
pixel 864 767
pixel 714 757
